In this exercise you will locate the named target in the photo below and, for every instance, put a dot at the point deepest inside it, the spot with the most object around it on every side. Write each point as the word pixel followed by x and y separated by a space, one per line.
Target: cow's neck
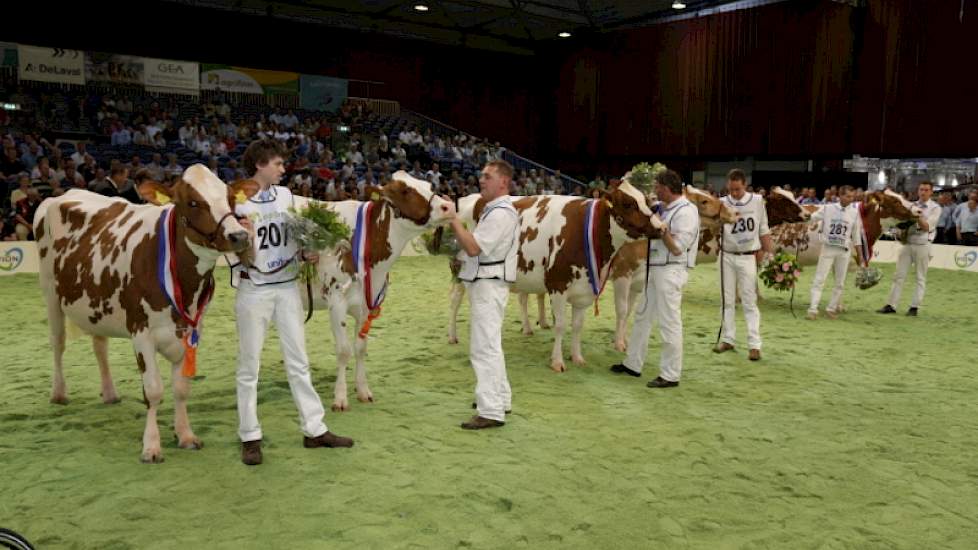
pixel 389 235
pixel 194 267
pixel 872 223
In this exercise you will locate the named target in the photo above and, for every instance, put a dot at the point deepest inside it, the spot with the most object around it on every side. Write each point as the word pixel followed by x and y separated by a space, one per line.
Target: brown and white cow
pixel 404 208
pixel 99 259
pixel 551 255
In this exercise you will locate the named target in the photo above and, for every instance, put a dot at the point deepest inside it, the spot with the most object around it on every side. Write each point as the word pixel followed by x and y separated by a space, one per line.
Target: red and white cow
pixel 404 209
pixel 99 269
pixel 551 257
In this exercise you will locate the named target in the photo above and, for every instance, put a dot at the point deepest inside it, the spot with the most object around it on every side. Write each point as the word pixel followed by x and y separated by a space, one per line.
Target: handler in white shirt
pixel 841 228
pixel 916 251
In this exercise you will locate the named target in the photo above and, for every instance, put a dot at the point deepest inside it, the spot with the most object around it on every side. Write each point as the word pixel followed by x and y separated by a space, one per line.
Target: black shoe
pixel 622 369
pixel 474 406
pixel 886 309
pixel 661 382
pixel 912 312
pixel 251 452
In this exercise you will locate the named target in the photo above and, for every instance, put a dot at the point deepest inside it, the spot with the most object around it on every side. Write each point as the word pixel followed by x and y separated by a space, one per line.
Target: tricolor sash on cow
pixel 361 264
pixel 592 248
pixel 166 271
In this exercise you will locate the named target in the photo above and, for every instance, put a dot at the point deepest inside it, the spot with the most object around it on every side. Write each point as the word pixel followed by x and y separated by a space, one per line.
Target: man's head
pixel 264 161
pixel 668 186
pixel 973 198
pixel 136 160
pixel 118 175
pixel 846 195
pixel 157 158
pixel 495 179
pixel 924 190
pixel 24 182
pixel 736 183
pixel 80 147
pixel 142 176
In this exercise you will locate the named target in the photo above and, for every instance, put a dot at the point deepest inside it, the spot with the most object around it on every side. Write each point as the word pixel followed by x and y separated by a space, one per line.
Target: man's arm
pixel 465 238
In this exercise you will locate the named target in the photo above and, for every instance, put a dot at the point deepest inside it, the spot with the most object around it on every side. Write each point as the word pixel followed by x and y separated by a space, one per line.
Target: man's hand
pixel 922 224
pixel 247 225
pixel 310 257
pixel 450 211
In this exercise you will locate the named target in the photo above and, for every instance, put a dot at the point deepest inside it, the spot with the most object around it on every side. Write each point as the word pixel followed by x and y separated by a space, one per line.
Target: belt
pixel 751 253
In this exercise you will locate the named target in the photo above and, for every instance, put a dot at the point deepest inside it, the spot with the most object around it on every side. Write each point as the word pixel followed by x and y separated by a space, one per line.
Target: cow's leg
pixel 181 421
pixel 623 289
pixel 577 323
pixel 360 380
pixel 337 321
pixel 458 292
pixel 101 346
pixel 558 302
pixel 56 324
pixel 542 319
pixel 525 314
pixel 153 392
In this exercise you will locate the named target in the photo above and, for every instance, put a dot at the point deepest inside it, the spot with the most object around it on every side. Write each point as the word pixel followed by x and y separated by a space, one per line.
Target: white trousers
pixel 661 304
pixel 919 255
pixel 831 257
pixel 254 307
pixel 740 272
pixel 487 301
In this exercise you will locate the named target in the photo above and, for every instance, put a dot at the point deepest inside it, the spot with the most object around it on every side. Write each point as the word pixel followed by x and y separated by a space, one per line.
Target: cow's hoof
pixel 152 456
pixel 579 360
pixel 452 339
pixel 544 325
pixel 621 347
pixel 192 443
pixel 111 399
pixel 59 399
pixel 558 367
pixel 340 406
pixel 527 331
pixel 365 397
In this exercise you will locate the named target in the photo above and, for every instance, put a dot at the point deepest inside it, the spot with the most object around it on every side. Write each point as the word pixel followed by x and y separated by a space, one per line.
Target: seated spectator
pixel 232 172
pixel 290 121
pixel 23 186
pixel 23 214
pixel 70 178
pixel 187 134
pixel 140 136
pixel 11 165
pixel 87 170
pixel 31 157
pixel 202 145
pixel 121 135
pixel 81 149
pixel 417 172
pixel 117 184
pixel 43 171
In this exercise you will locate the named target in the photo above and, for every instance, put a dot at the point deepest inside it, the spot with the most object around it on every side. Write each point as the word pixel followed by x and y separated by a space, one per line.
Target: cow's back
pixel 98 259
pixel 551 242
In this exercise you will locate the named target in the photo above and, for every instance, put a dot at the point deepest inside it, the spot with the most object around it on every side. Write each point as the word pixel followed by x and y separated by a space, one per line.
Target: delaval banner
pixel 51 65
pixel 167 75
pixel 322 93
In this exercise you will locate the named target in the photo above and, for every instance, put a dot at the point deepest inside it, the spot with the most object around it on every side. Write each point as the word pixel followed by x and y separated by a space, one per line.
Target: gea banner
pixel 248 81
pixel 169 75
pixel 51 65
pixel 322 93
pixel 113 68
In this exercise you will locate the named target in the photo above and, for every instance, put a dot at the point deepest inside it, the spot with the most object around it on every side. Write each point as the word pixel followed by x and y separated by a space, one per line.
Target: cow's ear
pixel 155 193
pixel 242 190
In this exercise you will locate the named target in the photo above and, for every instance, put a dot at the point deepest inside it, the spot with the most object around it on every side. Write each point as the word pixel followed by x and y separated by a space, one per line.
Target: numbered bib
pixel 838 233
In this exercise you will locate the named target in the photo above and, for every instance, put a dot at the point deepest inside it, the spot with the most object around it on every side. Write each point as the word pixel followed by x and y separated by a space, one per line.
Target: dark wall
pixel 488 94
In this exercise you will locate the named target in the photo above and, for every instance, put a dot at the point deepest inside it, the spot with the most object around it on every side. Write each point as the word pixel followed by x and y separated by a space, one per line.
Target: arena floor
pixel 855 433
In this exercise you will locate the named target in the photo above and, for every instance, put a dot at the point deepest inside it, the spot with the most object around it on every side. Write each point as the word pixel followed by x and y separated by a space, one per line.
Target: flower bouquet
pixel 781 273
pixel 642 175
pixel 316 228
pixel 868 277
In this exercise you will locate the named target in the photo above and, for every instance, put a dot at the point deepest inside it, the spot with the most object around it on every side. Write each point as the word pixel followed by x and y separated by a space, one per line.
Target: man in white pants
pixel 738 260
pixel 488 269
pixel 841 228
pixel 669 260
pixel 267 292
pixel 916 250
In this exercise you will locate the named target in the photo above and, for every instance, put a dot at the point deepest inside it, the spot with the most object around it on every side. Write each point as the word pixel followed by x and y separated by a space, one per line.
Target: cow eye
pixel 193 204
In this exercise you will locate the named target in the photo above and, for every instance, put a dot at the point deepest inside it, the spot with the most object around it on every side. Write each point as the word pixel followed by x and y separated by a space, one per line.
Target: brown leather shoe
pixel 479 423
pixel 328 439
pixel 755 355
pixel 722 347
pixel 251 452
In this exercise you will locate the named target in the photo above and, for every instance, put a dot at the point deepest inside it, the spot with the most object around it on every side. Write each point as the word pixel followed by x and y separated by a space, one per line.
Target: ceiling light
pixel 420 7
pixel 678 6
pixel 564 34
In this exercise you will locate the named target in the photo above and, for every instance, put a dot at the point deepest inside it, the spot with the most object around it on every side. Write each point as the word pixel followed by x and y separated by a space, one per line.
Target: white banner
pixel 18 257
pixel 51 65
pixel 169 75
pixel 942 256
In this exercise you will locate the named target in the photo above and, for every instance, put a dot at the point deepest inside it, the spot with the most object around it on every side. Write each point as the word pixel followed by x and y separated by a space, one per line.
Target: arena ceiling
pixel 515 26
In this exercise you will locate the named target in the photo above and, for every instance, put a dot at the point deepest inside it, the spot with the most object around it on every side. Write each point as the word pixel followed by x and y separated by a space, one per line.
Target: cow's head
pixel 712 210
pixel 890 205
pixel 202 205
pixel 413 200
pixel 782 207
pixel 630 209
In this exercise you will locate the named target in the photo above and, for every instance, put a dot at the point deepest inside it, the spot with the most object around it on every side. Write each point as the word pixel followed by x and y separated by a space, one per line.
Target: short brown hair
pixel 502 167
pixel 670 179
pixel 142 175
pixel 118 169
pixel 737 175
pixel 261 151
pixel 927 183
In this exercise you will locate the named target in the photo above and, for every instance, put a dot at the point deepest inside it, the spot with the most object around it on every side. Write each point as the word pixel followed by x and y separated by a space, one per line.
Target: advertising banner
pixel 167 75
pixel 322 93
pixel 248 81
pixel 51 65
pixel 112 68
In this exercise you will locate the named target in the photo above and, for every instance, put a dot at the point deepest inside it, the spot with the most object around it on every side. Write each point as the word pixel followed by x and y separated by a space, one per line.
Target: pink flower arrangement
pixel 786 267
pixel 779 277
pixel 797 273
